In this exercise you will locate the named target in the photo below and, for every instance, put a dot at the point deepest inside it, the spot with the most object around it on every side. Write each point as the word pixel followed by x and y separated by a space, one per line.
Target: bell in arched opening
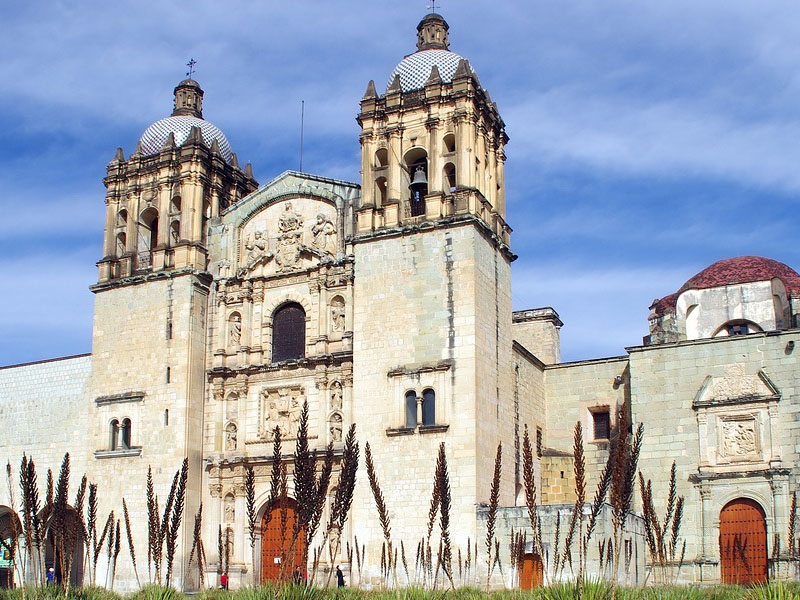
pixel 419 189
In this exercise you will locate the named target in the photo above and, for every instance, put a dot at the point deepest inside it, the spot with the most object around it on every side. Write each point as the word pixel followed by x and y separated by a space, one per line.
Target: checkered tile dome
pixel 415 69
pixel 156 135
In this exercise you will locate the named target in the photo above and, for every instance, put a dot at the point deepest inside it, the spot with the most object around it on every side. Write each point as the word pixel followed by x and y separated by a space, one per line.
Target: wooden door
pixel 276 536
pixel 531 572
pixel 743 542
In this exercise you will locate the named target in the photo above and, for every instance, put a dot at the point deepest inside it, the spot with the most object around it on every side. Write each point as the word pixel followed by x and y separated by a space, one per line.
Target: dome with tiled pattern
pixel 415 69
pixel 155 136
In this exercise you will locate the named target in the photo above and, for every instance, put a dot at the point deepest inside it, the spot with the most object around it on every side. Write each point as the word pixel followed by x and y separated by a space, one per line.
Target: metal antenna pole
pixel 302 127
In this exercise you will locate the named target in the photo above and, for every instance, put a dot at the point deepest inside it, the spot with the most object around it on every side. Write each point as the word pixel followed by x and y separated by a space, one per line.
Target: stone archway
pixel 278 558
pixel 743 542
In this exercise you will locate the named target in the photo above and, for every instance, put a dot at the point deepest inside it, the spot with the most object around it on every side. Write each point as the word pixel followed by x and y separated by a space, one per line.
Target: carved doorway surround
pixel 743 542
pixel 278 558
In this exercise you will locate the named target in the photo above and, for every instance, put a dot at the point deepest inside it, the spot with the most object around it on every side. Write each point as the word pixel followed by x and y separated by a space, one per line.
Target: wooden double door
pixel 743 542
pixel 531 573
pixel 279 558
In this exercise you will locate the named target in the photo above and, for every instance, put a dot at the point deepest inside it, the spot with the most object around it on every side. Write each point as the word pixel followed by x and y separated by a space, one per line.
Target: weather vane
pixel 432 6
pixel 192 62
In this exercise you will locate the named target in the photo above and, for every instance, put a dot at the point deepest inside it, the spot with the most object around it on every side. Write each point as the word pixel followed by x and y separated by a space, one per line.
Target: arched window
pixel 411 409
pixel 288 332
pixel 175 205
pixel 450 177
pixel 381 158
pixel 738 327
pixel 125 437
pixel 450 142
pixel 121 244
pixel 380 190
pixel 122 218
pixel 428 407
pixel 113 435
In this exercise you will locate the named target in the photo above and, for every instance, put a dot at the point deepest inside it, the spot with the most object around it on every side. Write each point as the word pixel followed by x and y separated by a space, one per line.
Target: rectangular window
pixel 602 424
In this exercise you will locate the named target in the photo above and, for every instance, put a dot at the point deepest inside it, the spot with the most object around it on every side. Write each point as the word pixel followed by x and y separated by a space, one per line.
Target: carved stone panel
pixel 738 438
pixel 280 407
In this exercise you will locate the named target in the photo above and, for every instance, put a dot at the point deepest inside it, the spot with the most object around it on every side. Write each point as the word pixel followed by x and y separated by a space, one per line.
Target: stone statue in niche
pixel 235 331
pixel 337 314
pixel 336 427
pixel 230 509
pixel 739 438
pixel 336 396
pixel 324 233
pixel 230 437
pixel 282 408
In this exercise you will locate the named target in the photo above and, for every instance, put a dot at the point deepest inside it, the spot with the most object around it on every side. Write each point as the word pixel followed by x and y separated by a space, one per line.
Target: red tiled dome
pixel 733 271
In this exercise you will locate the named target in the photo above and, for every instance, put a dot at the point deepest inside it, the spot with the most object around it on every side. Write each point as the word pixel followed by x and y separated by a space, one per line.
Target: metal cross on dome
pixel 192 62
pixel 432 6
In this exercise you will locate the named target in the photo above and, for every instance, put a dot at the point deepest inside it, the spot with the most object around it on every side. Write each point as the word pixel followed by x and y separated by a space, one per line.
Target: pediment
pixel 735 386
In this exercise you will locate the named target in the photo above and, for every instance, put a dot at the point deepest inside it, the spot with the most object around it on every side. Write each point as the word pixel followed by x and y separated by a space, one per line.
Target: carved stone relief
pixel 231 436
pixel 324 234
pixel 230 509
pixel 336 427
pixel 280 407
pixel 234 331
pixel 736 383
pixel 336 396
pixel 739 438
pixel 337 314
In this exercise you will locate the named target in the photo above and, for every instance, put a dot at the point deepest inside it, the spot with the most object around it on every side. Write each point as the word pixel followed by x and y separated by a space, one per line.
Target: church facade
pixel 222 307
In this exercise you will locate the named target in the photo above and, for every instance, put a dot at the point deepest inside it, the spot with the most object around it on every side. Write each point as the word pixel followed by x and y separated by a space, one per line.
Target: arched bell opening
pixel 148 237
pixel 449 172
pixel 380 191
pixel 416 177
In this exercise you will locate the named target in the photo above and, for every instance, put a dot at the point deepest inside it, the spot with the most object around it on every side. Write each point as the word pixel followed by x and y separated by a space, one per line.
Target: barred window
pixel 602 424
pixel 288 332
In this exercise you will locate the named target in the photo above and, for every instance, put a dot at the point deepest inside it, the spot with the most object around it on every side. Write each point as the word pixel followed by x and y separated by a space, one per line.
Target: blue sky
pixel 648 139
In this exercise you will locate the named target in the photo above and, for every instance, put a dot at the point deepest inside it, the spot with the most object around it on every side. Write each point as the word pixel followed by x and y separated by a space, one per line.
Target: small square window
pixel 602 424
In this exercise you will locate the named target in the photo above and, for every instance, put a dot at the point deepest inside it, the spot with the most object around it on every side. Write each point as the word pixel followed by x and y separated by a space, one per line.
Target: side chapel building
pixel 221 306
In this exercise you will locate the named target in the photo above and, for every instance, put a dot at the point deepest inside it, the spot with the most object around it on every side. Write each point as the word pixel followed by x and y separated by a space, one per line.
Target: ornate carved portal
pixel 280 407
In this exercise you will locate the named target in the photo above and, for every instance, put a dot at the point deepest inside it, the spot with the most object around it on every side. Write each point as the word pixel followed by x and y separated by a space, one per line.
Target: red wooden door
pixel 531 572
pixel 743 542
pixel 276 537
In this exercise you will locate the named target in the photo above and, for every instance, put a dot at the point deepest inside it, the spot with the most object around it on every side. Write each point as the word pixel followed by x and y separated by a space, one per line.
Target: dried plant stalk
pixel 792 527
pixel 494 499
pixel 176 517
pixel 380 503
pixel 131 548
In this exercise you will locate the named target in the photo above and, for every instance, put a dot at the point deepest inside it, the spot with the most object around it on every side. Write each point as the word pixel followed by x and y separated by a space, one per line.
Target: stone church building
pixel 222 305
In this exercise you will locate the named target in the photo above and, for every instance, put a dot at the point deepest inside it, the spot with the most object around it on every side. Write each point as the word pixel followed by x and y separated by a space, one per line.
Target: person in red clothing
pixel 223 581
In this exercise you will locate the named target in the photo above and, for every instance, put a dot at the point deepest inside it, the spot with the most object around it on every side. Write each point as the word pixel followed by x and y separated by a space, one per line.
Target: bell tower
pixel 432 145
pixel 158 201
pixel 432 326
pixel 147 385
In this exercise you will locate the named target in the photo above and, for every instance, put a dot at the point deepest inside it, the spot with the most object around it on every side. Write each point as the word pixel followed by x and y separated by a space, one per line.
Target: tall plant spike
pixel 129 535
pixel 494 500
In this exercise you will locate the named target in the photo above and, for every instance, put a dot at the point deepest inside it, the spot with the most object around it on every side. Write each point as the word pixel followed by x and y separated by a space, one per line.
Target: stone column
pixel 434 157
pixel 395 159
pixel 367 176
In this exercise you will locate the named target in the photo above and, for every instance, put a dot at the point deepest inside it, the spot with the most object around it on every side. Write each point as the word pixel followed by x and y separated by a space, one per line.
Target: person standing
pixel 339 576
pixel 223 581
